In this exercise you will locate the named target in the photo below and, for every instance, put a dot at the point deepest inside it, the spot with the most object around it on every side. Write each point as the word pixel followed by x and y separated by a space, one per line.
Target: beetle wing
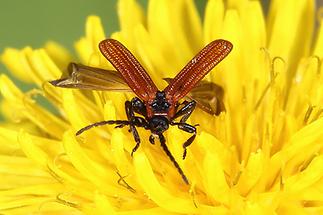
pixel 197 68
pixel 91 78
pixel 130 69
pixel 208 96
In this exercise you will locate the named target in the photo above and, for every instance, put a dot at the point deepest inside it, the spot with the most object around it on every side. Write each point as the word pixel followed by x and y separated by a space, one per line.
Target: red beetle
pixel 153 109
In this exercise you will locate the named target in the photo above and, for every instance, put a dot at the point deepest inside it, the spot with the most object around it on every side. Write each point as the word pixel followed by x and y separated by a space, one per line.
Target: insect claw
pixel 152 139
pixel 135 149
pixel 184 153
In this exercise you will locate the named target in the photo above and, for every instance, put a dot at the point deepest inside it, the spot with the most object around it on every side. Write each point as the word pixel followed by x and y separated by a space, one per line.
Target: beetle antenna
pixel 119 123
pixel 164 146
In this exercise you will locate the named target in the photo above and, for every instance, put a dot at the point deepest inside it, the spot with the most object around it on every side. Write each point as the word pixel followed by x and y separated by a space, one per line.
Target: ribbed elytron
pixel 153 109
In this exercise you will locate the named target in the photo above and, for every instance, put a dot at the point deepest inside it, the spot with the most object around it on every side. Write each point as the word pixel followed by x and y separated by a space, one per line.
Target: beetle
pixel 152 109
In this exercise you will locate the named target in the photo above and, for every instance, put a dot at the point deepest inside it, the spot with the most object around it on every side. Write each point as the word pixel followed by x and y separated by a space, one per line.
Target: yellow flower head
pixel 264 155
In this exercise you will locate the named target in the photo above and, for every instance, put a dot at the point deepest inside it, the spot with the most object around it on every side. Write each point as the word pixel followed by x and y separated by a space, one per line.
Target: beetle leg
pixel 140 122
pixel 152 139
pixel 131 116
pixel 171 157
pixel 132 121
pixel 188 128
pixel 120 124
pixel 138 106
pixel 186 111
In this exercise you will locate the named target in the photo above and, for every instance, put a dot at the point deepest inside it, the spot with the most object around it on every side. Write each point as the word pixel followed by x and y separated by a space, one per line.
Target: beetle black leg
pixel 132 122
pixel 138 106
pixel 186 111
pixel 139 122
pixel 152 139
pixel 133 130
pixel 169 154
pixel 188 128
pixel 120 124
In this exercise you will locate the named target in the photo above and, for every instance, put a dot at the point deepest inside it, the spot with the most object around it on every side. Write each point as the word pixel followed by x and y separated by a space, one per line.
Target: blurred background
pixel 33 22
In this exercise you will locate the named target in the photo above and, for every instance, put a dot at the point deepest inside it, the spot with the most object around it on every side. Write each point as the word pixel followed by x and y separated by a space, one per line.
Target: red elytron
pixel 153 109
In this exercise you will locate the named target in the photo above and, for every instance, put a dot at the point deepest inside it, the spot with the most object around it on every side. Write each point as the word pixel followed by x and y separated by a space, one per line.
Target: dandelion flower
pixel 262 156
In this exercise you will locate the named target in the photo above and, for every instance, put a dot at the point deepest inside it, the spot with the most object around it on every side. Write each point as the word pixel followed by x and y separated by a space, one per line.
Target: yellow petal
pixel 103 176
pixel 79 109
pixel 253 208
pixel 122 163
pixel 32 151
pixel 156 66
pixel 59 54
pixel 17 63
pixel 161 196
pixel 103 205
pixel 299 17
pixel 302 139
pixel 214 178
pixel 318 50
pixel 308 177
pixel 168 19
pixel 230 68
pixel 88 45
pixel 43 66
pixel 251 174
pixel 40 116
pixel 213 20
pixel 129 23
pixel 8 141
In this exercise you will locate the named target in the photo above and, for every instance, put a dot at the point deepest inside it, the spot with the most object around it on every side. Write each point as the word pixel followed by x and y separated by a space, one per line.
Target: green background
pixel 34 22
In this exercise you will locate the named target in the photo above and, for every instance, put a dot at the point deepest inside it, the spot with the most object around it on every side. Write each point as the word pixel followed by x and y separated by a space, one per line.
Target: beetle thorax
pixel 160 104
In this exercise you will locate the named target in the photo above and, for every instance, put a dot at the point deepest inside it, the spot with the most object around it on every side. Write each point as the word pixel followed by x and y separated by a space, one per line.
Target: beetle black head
pixel 158 124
